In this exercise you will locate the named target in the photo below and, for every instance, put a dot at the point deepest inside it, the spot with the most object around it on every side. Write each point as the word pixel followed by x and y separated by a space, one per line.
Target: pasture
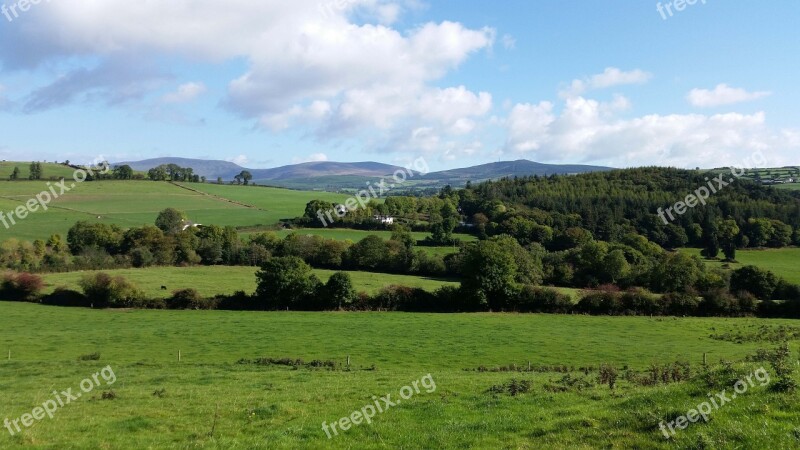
pixel 210 281
pixel 207 400
pixel 136 203
pixel 783 262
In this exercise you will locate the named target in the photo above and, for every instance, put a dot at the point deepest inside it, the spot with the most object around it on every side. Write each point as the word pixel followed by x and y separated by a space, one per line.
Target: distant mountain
pixel 520 168
pixel 323 169
pixel 334 176
pixel 227 170
pixel 207 168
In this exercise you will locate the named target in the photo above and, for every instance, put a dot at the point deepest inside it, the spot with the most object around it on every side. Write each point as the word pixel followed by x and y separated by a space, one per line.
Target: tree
pixel 676 272
pixel 84 235
pixel 171 221
pixel 14 174
pixel 728 233
pixel 338 291
pixel 246 177
pixel 489 273
pixel 759 282
pixel 123 172
pixel 711 240
pixel 35 171
pixel 286 282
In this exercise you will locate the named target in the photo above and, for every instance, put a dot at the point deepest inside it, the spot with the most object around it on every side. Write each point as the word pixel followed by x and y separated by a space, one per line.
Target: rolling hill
pixel 334 176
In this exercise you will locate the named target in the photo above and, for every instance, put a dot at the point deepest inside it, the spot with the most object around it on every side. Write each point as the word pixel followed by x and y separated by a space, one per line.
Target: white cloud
pixel 315 157
pixel 722 95
pixel 509 42
pixel 240 160
pixel 585 131
pixel 610 77
pixel 185 93
pixel 340 69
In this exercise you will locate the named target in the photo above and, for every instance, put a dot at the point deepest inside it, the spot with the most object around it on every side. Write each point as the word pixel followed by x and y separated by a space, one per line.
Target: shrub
pixel 781 361
pixel 719 303
pixel 680 303
pixel 21 286
pixel 640 302
pixel 63 296
pixel 104 290
pixel 402 298
pixel 239 301
pixel 600 302
pixel 759 282
pixel 543 300
pixel 184 299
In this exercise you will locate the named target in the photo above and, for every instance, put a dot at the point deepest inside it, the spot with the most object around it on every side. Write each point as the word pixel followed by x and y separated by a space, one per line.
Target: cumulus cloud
pixel 314 157
pixel 185 93
pixel 240 160
pixel 723 95
pixel 610 77
pixel 584 131
pixel 341 68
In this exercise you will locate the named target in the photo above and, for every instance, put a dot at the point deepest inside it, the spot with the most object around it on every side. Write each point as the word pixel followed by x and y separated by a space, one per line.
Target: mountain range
pixel 328 175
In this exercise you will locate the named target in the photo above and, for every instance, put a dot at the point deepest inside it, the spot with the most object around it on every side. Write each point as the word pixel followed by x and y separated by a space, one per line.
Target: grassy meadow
pixel 784 262
pixel 210 281
pixel 207 400
pixel 136 203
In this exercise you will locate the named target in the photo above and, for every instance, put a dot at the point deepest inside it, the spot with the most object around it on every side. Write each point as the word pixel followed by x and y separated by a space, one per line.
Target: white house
pixel 386 220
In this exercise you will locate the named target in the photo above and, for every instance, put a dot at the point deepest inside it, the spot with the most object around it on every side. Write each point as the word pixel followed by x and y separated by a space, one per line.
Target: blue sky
pixel 268 83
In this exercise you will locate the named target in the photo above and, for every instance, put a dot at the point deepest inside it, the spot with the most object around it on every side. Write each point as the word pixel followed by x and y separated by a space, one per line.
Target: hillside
pixel 519 168
pixel 135 203
pixel 336 176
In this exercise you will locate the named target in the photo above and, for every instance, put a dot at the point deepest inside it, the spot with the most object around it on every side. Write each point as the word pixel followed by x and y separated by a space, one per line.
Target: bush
pixel 186 299
pixel 239 301
pixel 63 296
pixel 401 298
pixel 759 282
pixel 104 291
pixel 719 303
pixel 680 303
pixel 641 302
pixel 600 303
pixel 542 300
pixel 23 286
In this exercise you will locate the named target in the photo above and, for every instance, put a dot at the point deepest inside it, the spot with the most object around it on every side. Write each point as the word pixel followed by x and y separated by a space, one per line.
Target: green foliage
pixel 286 282
pixel 171 221
pixel 338 291
pixel 759 282
pixel 104 291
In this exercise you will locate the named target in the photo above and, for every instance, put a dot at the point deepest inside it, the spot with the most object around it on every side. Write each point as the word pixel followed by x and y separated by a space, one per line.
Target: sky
pixel 267 83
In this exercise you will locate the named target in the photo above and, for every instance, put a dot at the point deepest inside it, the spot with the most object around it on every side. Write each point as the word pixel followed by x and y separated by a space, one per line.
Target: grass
pixel 49 170
pixel 210 281
pixel 783 262
pixel 136 203
pixel 249 406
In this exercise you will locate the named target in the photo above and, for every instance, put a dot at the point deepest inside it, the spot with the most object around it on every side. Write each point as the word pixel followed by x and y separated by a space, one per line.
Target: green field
pixel 210 281
pixel 136 203
pixel 340 234
pixel 209 401
pixel 49 170
pixel 784 262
